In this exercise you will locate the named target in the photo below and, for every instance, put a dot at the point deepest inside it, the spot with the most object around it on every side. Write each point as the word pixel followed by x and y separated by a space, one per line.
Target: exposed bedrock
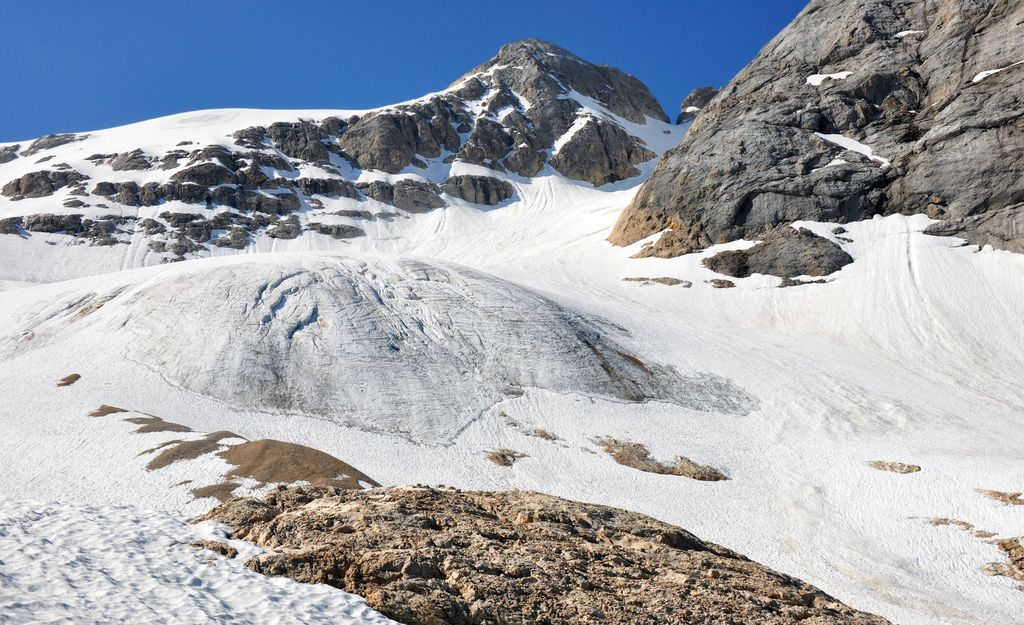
pixel 41 183
pixel 478 189
pixel 784 252
pixel 600 152
pixel 1002 229
pixel 426 556
pixel 694 103
pixel 808 130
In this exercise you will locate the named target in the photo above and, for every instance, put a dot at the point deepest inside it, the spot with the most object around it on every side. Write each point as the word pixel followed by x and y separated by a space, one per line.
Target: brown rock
pixel 431 556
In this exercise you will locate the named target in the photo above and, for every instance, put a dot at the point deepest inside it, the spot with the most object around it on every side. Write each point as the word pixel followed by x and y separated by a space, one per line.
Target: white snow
pixel 854 146
pixel 911 354
pixel 907 33
pixel 816 79
pixel 833 163
pixel 980 76
pixel 80 564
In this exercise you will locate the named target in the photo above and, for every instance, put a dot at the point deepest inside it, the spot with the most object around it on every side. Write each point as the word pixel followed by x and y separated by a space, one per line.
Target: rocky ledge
pixel 430 556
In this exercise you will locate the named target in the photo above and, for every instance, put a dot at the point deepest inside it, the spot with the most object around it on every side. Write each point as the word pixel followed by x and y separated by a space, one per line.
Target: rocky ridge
pixel 534 109
pixel 856 109
pixel 425 556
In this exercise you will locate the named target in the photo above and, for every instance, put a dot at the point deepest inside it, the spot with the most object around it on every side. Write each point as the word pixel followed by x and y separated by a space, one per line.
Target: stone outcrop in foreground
pixel 434 556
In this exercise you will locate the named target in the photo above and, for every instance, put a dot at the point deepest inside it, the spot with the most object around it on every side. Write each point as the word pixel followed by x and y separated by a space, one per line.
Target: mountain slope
pixel 906 357
pixel 214 182
pixel 856 109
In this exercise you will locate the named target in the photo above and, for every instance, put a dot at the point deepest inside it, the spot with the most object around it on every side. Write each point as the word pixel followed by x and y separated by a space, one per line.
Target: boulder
pixel 784 252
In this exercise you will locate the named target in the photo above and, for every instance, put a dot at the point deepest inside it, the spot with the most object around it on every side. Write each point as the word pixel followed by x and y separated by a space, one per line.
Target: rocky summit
pixel 433 556
pixel 858 108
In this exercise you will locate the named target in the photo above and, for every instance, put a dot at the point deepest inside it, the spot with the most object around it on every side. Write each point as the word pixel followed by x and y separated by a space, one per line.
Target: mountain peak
pixel 538 70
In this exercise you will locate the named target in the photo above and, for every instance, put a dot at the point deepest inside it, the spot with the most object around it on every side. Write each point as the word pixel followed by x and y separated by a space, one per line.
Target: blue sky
pixel 73 65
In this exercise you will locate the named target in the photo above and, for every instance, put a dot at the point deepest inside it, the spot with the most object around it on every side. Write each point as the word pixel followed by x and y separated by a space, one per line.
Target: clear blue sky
pixel 75 65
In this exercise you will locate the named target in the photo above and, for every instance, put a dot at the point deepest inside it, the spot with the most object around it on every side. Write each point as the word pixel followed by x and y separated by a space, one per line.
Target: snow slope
pixel 77 564
pixel 910 354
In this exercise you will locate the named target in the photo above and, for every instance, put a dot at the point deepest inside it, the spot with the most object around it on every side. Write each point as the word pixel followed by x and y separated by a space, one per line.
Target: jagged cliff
pixel 857 108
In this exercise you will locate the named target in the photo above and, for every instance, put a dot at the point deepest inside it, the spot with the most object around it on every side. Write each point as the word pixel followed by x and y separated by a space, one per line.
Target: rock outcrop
pixel 425 556
pixel 51 141
pixel 858 108
pixel 695 103
pixel 41 183
pixel 9 152
pixel 1002 229
pixel 784 252
pixel 478 189
pixel 534 108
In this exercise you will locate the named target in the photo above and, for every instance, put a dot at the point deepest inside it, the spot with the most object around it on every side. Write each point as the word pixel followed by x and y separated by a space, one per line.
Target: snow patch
pixel 816 79
pixel 854 146
pixel 980 76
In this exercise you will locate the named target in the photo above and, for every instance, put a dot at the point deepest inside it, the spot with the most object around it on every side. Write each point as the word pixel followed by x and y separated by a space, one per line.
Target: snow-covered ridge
pixel 216 182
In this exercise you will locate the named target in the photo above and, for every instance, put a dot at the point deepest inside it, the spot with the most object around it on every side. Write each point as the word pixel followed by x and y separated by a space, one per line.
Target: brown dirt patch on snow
pixel 1010 499
pixel 504 457
pixel 69 380
pixel 637 456
pixel 271 462
pixel 176 450
pixel 893 467
pixel 105 410
pixel 156 424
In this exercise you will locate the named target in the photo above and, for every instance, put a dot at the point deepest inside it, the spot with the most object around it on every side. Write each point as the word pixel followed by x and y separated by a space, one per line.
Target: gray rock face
pixel 514 131
pixel 694 103
pixel 427 556
pixel 304 140
pixel 409 195
pixel 785 252
pixel 206 175
pixel 51 141
pixel 134 160
pixel 337 231
pixel 478 189
pixel 41 183
pixel 330 187
pixel 757 156
pixel 11 225
pixel 9 152
pixel 599 153
pixel 391 141
pixel 96 231
pixel 1002 229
